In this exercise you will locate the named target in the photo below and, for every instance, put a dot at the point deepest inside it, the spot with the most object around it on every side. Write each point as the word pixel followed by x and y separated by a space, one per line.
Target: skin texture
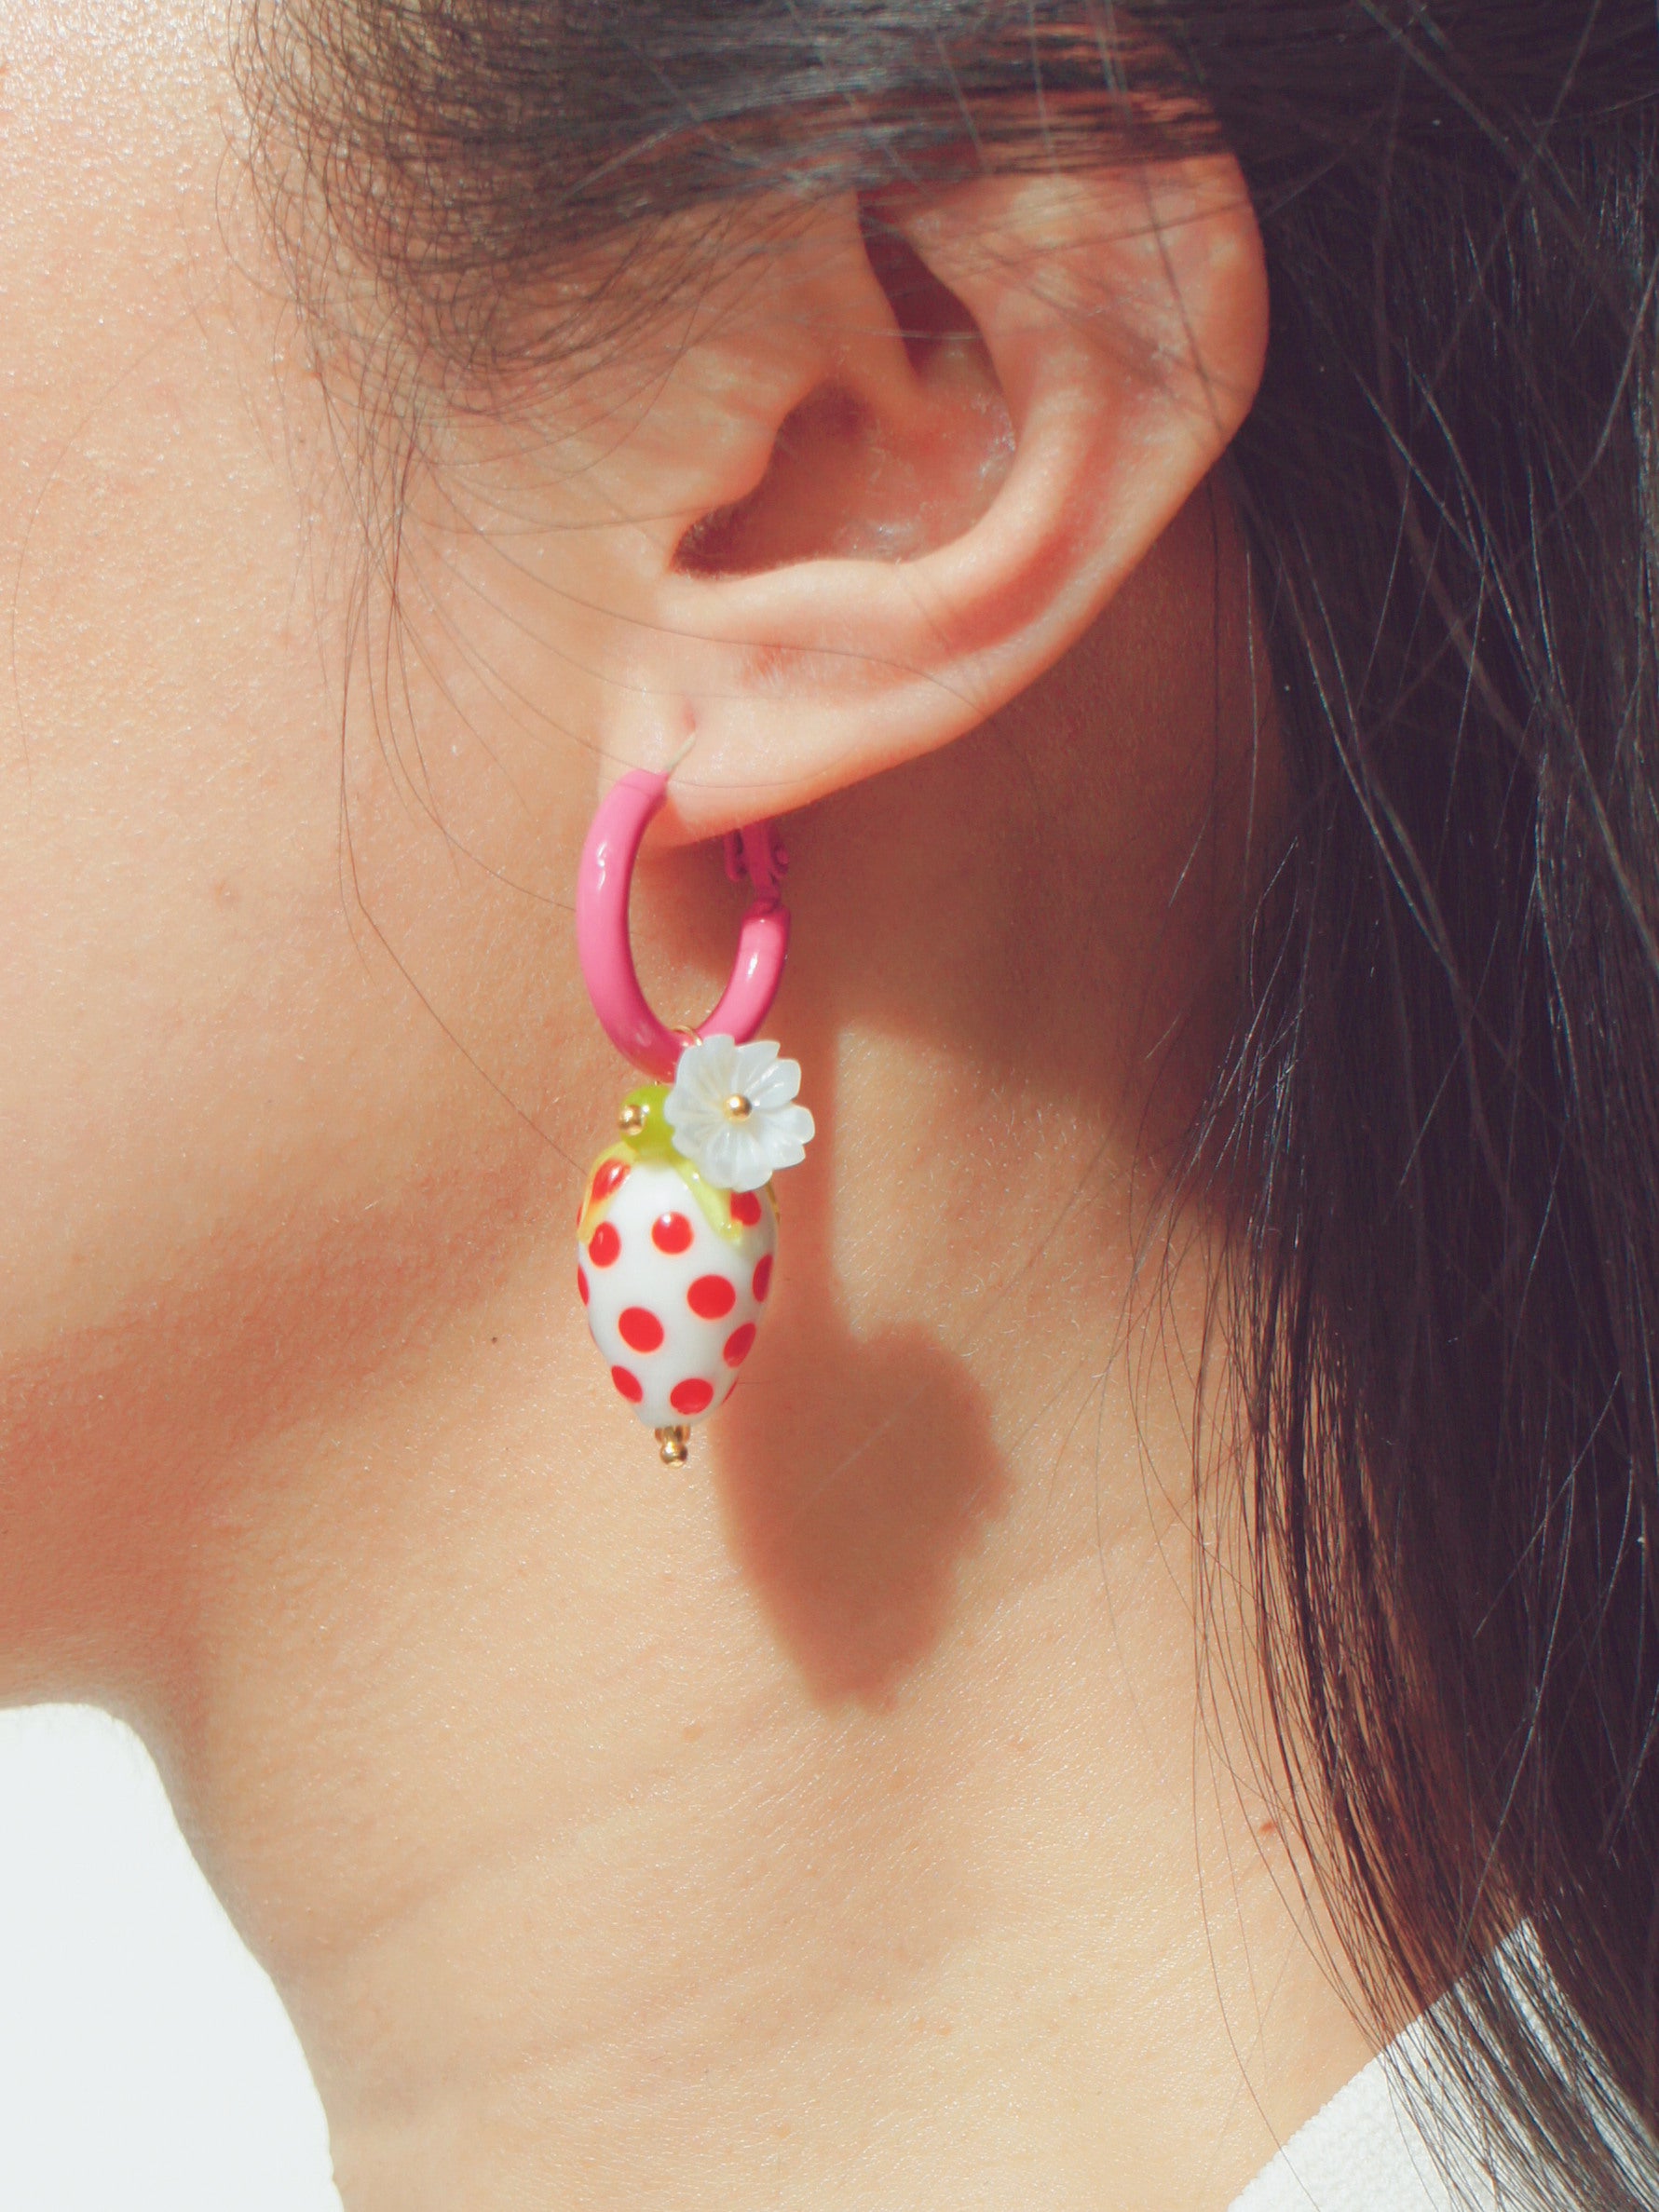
pixel 838 1822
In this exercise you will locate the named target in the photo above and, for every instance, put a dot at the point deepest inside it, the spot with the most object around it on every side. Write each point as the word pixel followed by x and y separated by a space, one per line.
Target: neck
pixel 838 1821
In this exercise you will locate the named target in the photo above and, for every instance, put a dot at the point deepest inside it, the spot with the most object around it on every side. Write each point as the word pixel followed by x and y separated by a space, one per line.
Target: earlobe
pixel 815 628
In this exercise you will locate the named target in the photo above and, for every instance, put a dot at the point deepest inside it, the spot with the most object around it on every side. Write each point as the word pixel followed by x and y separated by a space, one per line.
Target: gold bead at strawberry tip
pixel 631 1120
pixel 675 1445
pixel 737 1108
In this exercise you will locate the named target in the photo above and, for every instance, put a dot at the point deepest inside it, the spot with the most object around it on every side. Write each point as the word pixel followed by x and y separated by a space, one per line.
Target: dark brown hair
pixel 1442 1103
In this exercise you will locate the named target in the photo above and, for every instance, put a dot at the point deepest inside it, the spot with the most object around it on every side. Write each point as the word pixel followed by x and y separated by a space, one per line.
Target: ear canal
pixel 900 448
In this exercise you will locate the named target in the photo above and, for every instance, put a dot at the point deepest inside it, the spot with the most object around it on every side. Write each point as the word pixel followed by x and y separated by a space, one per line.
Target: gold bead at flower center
pixel 737 1107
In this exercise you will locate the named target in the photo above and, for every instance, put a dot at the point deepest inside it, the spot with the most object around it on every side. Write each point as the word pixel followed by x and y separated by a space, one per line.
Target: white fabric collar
pixel 1362 2153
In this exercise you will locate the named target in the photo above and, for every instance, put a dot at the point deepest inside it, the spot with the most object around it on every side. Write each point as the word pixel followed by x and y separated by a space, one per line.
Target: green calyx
pixel 644 1125
pixel 647 1135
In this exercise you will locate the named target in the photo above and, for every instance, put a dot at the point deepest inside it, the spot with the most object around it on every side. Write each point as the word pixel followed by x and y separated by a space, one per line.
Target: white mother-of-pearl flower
pixel 736 1150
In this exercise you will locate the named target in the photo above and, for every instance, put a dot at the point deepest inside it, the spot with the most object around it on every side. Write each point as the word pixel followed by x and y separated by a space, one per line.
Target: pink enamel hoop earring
pixel 677 1231
pixel 606 955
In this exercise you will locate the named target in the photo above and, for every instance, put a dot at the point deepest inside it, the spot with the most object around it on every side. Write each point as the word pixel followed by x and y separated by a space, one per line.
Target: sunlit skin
pixel 834 1823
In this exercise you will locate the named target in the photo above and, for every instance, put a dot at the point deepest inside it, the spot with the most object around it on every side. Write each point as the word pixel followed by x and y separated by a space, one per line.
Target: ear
pixel 913 462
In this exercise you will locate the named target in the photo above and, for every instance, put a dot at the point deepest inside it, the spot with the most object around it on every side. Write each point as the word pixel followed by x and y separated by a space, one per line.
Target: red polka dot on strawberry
pixel 607 1181
pixel 581 1284
pixel 762 1276
pixel 694 1395
pixel 711 1298
pixel 745 1207
pixel 629 1385
pixel 740 1344
pixel 605 1246
pixel 670 1232
pixel 640 1329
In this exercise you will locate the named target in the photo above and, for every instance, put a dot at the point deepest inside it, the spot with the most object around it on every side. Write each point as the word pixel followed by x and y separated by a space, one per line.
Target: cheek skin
pixel 159 825
pixel 218 1086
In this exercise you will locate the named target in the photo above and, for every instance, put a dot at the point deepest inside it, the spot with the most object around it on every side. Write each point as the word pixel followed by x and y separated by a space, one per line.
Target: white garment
pixel 1367 2150
pixel 1361 2153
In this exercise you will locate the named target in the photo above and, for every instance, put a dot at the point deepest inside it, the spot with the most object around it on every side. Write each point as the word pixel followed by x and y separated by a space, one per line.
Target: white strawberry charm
pixel 678 1232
